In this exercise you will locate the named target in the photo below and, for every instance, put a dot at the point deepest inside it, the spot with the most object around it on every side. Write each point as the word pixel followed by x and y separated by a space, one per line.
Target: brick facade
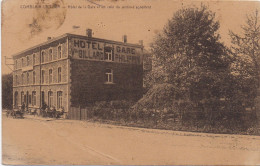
pixel 27 76
pixel 75 66
pixel 89 82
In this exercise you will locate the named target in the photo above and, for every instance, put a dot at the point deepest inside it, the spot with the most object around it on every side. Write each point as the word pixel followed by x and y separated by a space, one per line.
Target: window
pixel 109 76
pixel 59 74
pixel 33 98
pixel 16 99
pixel 50 54
pixel 16 80
pixel 59 99
pixel 43 75
pixel 50 98
pixel 34 60
pixel 109 54
pixel 34 77
pixel 59 52
pixel 16 64
pixel 22 63
pixel 22 79
pixel 22 98
pixel 27 78
pixel 50 76
pixel 43 98
pixel 42 56
pixel 27 61
pixel 30 99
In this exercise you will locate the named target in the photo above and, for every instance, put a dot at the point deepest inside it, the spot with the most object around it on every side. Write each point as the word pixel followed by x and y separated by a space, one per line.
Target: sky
pixel 24 27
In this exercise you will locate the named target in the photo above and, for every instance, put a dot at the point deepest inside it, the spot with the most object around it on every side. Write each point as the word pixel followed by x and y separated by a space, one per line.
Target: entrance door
pixel 43 100
pixel 15 99
pixel 26 100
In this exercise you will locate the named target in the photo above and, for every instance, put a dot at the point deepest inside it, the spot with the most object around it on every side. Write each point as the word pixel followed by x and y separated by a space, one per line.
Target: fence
pixel 168 120
pixel 78 113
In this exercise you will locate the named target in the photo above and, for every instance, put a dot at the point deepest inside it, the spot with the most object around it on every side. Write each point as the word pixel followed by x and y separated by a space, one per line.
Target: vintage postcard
pixel 130 82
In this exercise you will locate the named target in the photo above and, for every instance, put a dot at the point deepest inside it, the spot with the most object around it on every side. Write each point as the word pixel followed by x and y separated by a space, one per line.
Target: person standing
pixel 23 107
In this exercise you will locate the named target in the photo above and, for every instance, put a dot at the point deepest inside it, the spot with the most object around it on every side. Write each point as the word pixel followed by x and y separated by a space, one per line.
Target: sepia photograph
pixel 130 82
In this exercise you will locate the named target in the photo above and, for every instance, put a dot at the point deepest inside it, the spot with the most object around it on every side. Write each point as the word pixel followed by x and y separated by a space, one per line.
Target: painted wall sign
pixel 92 50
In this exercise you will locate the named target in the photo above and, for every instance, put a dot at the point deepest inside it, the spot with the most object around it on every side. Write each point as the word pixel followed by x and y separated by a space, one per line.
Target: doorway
pixel 26 100
pixel 16 99
pixel 43 99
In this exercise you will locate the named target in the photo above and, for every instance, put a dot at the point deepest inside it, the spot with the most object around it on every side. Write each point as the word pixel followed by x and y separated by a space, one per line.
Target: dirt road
pixel 44 141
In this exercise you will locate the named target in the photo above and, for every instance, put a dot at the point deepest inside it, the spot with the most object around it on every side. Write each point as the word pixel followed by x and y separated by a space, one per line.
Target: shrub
pixel 160 96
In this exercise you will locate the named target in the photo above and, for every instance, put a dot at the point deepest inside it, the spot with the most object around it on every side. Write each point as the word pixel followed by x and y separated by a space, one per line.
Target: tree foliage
pixel 246 67
pixel 188 54
pixel 7 91
pixel 246 47
pixel 188 51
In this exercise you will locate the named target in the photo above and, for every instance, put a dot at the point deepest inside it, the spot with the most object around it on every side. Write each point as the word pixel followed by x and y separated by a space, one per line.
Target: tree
pixel 189 55
pixel 188 50
pixel 246 47
pixel 7 91
pixel 246 67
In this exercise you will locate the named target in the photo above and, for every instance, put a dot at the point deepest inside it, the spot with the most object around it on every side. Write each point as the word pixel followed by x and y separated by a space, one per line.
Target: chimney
pixel 48 38
pixel 124 38
pixel 141 42
pixel 89 32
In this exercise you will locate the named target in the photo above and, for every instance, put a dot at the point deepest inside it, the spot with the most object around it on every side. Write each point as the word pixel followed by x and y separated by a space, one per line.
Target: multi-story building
pixel 74 70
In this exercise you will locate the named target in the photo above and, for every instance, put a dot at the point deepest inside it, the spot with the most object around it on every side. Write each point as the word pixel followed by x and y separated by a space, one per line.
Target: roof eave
pixel 74 35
